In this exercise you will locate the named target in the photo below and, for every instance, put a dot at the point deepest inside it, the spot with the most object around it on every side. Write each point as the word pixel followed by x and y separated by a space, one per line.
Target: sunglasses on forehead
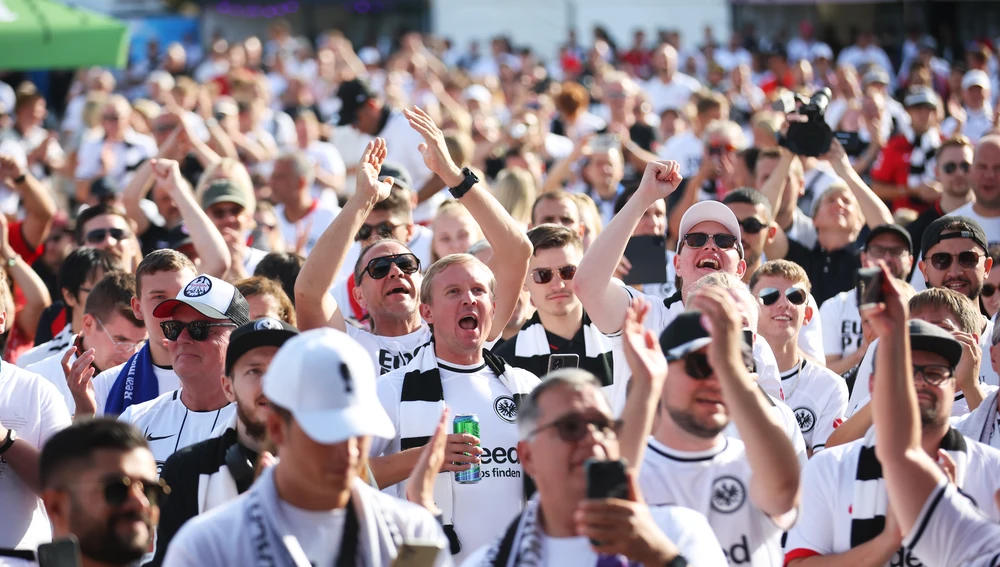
pixel 197 330
pixel 380 267
pixel 699 240
pixel 383 229
pixel 545 275
pixel 770 295
pixel 967 259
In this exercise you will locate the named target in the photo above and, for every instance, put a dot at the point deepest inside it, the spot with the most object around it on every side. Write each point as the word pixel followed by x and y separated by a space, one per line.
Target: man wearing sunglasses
pixel 562 424
pixel 952 167
pixel 560 326
pixel 845 517
pixel 746 487
pixel 954 256
pixel 99 484
pixel 816 395
pixel 843 340
pixel 210 473
pixel 985 176
pixel 197 325
pixel 108 228
pixel 109 335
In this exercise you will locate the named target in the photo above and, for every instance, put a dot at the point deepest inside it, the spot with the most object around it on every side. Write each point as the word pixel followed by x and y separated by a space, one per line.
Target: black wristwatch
pixel 20 179
pixel 463 187
pixel 11 437
pixel 678 561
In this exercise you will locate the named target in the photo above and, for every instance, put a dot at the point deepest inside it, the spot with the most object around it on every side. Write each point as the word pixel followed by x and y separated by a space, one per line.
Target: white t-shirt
pixel 165 377
pixel 501 491
pixel 32 407
pixel 950 530
pixel 328 159
pixel 169 425
pixel 715 483
pixel 811 334
pixel 786 418
pixel 390 353
pixel 841 324
pixel 802 230
pixel 318 532
pixel 675 94
pixel 990 225
pixel 819 399
pixel 312 225
pixel 127 155
pixel 38 353
pixel 51 369
pixel 687 529
pixel 687 149
pixel 827 493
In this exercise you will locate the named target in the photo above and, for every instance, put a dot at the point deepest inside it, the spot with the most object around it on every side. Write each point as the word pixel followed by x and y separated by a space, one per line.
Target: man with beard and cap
pixel 844 515
pixel 215 471
pixel 842 336
pixel 99 484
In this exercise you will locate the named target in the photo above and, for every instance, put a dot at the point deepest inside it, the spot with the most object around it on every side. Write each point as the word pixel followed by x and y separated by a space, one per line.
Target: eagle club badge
pixel 728 494
pixel 267 324
pixel 506 408
pixel 198 287
pixel 806 419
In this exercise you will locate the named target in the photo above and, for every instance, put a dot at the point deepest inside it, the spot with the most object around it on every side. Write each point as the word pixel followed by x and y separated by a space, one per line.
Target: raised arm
pixel 563 169
pixel 649 371
pixel 36 294
pixel 774 485
pixel 605 301
pixel 213 253
pixel 774 189
pixel 314 306
pixel 38 205
pixel 511 247
pixel 910 474
pixel 875 211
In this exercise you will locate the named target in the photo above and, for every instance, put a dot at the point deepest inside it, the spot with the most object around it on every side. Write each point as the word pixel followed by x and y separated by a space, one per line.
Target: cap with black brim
pixel 928 337
pixel 683 335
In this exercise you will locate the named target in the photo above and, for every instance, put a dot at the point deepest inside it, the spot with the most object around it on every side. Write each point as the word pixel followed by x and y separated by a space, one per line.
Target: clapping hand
pixel 642 349
pixel 79 378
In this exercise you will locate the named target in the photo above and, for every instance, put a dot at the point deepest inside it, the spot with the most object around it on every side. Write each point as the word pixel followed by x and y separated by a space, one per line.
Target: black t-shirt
pixel 155 238
pixel 830 272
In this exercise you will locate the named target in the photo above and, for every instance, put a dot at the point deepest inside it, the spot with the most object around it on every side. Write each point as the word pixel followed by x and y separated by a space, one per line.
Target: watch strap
pixel 468 183
pixel 20 179
pixel 8 441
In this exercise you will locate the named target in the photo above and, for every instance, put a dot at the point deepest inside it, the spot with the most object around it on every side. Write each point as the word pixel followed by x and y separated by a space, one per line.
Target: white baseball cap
pixel 327 381
pixel 821 51
pixel 710 211
pixel 976 78
pixel 211 297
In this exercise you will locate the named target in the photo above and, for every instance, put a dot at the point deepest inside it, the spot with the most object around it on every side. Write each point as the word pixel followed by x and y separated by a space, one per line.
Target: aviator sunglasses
pixel 967 260
pixel 383 229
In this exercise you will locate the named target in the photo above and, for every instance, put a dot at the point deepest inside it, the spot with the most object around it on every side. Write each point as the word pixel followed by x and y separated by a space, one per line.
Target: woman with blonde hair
pixel 515 190
pixel 455 231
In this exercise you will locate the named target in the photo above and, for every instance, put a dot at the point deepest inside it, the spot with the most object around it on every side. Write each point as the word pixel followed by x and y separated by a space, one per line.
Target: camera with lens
pixel 813 136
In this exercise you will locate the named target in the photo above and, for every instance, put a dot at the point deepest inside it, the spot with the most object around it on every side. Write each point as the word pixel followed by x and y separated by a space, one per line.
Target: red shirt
pixel 893 167
pixel 18 341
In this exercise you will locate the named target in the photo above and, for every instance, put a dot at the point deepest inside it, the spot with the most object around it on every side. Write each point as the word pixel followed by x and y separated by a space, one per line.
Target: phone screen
pixel 869 287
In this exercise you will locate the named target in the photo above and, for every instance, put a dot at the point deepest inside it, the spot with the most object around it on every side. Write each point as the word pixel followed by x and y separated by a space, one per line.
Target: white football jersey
pixel 951 531
pixel 818 397
pixel 827 495
pixel 717 484
pixel 169 425
pixel 841 324
pixel 390 353
pixel 786 418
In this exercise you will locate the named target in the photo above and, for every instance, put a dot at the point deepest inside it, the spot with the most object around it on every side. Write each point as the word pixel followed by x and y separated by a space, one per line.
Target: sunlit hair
pixel 781 269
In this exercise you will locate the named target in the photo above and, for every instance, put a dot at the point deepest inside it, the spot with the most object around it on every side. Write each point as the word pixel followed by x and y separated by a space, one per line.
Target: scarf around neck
pixel 136 383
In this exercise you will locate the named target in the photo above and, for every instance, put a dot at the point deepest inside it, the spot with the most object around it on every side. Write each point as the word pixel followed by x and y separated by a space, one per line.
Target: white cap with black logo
pixel 211 297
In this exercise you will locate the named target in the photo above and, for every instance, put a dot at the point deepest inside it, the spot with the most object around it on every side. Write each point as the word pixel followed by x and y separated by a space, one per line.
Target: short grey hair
pixel 303 165
pixel 527 413
pixel 729 281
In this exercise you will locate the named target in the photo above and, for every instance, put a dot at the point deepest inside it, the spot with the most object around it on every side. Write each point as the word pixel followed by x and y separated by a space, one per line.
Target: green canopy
pixel 44 34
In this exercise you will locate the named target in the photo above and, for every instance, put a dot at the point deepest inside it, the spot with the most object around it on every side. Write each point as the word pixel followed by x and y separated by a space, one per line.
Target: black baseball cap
pixel 931 338
pixel 265 331
pixel 890 229
pixel 954 227
pixel 683 335
pixel 353 94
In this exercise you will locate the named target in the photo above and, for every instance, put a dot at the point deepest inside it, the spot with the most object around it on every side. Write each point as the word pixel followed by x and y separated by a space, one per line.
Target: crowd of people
pixel 265 285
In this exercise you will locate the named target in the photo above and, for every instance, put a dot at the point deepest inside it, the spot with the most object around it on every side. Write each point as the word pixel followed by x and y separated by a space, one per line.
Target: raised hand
pixel 888 318
pixel 434 150
pixel 368 184
pixel 79 378
pixel 168 176
pixel 661 178
pixel 642 349
pixel 721 318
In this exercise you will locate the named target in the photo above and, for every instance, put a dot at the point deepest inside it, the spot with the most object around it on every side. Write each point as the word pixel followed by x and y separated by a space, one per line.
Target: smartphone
pixel 605 142
pixel 60 553
pixel 417 554
pixel 648 256
pixel 851 141
pixel 869 288
pixel 557 361
pixel 606 479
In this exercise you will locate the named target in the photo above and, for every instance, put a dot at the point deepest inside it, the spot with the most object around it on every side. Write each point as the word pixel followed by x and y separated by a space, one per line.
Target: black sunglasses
pixel 700 239
pixel 98 235
pixel 573 427
pixel 696 364
pixel 770 295
pixel 197 330
pixel 967 260
pixel 752 225
pixel 951 166
pixel 383 229
pixel 933 374
pixel 116 489
pixel 988 290
pixel 544 275
pixel 379 268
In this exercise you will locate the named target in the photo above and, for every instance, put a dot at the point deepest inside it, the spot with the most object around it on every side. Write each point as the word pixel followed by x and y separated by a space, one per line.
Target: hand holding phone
pixel 559 361
pixel 869 288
